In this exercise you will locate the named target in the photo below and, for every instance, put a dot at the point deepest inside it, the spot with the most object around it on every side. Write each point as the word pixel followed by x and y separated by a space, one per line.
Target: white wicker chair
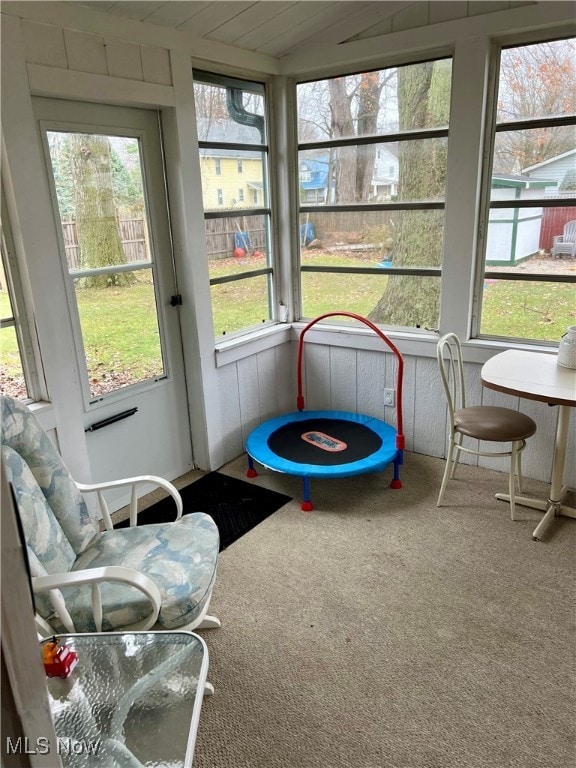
pixel 157 576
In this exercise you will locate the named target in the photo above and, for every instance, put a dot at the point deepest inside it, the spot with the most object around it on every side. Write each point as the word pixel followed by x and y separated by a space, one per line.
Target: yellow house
pixel 231 179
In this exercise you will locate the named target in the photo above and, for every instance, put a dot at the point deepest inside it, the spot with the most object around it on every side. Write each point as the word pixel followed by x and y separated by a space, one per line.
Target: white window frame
pixel 486 205
pixel 262 206
pixel 304 207
pixel 27 341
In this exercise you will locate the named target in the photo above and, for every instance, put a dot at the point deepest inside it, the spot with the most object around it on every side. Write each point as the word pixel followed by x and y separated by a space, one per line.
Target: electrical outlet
pixel 390 397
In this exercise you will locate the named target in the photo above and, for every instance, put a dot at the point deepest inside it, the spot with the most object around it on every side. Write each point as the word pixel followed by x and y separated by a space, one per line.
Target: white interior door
pixel 106 171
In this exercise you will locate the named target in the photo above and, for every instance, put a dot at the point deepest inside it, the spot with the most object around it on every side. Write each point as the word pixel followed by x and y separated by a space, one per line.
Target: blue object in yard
pixel 384 264
pixel 307 233
pixel 242 240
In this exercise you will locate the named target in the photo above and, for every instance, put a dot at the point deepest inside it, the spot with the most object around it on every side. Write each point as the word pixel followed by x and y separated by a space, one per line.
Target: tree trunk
pixel 414 301
pixel 368 106
pixel 98 237
pixel 354 165
pixel 344 157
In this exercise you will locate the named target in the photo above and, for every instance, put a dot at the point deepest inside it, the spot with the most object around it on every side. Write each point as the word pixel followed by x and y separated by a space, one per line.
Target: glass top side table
pixel 133 699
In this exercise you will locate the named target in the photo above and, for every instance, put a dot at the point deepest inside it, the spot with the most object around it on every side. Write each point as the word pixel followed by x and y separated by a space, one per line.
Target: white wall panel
pixel 429 409
pixel 286 377
pixel 371 383
pixel 123 59
pixel 86 52
pixel 408 400
pixel 537 456
pixel 267 384
pixel 248 394
pixel 44 44
pixel 231 438
pixel 156 65
pixel 316 377
pixel 343 379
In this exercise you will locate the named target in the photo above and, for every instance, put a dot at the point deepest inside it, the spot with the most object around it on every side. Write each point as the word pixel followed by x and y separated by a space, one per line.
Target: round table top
pixel 533 375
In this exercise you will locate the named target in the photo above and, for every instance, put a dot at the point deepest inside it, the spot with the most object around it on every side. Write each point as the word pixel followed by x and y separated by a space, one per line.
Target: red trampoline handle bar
pixel 385 339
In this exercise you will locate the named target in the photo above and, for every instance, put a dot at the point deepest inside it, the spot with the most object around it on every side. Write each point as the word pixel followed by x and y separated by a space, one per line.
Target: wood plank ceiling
pixel 279 28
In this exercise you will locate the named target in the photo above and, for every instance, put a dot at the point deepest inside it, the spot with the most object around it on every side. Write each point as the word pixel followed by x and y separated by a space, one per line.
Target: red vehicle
pixel 59 660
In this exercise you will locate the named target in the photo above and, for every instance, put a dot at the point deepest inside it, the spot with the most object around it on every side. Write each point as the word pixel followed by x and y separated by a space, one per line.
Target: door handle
pixel 111 420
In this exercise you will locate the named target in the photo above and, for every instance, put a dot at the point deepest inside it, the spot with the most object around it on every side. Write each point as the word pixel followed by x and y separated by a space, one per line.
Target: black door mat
pixel 235 505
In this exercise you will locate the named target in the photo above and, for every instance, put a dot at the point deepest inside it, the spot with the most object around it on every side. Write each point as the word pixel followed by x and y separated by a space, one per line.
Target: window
pixel 231 119
pixel 527 286
pixel 218 166
pixel 17 370
pixel 240 195
pixel 103 207
pixel 372 208
pixel 220 196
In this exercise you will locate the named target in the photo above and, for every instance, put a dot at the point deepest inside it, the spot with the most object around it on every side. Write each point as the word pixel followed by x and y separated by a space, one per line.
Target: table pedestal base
pixel 550 507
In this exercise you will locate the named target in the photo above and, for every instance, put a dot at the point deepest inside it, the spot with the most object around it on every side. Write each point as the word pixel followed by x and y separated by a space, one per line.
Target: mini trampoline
pixel 329 444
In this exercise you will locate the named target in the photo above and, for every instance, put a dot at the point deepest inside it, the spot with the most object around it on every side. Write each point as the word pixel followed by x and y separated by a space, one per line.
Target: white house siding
pixel 555 170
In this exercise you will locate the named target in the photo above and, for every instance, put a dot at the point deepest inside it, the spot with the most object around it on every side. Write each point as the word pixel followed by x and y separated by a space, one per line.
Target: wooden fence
pixel 132 236
pixel 221 236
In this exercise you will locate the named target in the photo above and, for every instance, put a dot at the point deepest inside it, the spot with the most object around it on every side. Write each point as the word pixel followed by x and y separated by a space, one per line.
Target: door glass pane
pixel 102 203
pixel 120 332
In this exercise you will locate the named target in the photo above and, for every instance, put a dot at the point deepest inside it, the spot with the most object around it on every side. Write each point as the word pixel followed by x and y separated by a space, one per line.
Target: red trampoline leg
pixel 251 472
pixel 396 482
pixel 306 505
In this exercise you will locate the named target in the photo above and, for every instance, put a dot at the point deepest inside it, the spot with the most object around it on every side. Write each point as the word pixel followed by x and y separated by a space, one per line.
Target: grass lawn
pixel 122 339
pixel 528 310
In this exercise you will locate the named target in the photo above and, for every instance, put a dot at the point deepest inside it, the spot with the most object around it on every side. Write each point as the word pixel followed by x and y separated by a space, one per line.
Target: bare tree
pixel 535 81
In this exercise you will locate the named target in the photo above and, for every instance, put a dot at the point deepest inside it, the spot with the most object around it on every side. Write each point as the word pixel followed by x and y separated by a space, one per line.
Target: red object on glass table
pixel 59 660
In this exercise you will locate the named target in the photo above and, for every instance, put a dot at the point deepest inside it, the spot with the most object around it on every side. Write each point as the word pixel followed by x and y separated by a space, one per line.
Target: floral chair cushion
pixel 42 531
pixel 22 431
pixel 179 557
pixel 47 548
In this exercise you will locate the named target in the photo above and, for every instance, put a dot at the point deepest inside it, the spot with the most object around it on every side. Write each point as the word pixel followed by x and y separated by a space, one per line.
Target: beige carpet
pixel 382 632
